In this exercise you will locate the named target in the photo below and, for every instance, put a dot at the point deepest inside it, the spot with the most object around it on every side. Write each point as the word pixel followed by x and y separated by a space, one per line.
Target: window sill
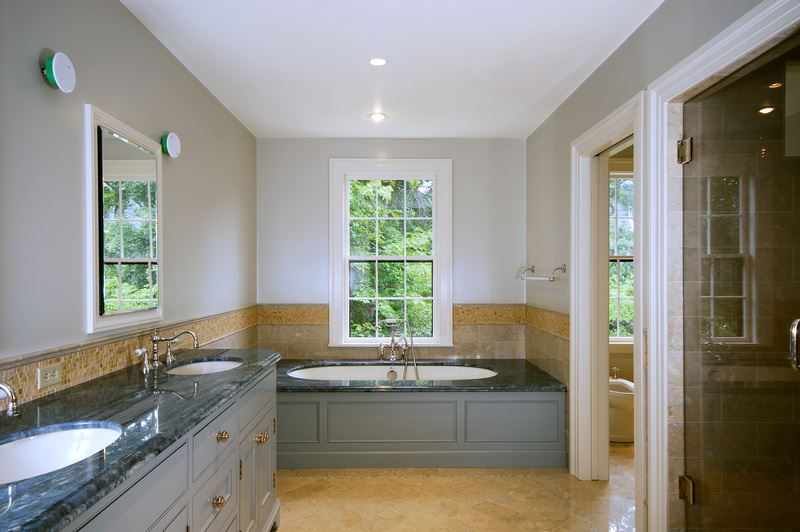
pixel 124 320
pixel 375 345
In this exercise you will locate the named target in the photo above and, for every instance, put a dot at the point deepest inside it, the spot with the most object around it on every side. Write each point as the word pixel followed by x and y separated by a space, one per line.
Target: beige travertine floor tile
pixel 421 500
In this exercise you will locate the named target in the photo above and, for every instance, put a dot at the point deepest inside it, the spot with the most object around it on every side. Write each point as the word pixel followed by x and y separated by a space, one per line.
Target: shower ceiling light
pixel 377 117
pixel 377 61
pixel 766 110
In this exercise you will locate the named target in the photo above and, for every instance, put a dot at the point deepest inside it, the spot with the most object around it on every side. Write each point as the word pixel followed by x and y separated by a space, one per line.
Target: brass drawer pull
pixel 262 438
pixel 218 502
pixel 222 436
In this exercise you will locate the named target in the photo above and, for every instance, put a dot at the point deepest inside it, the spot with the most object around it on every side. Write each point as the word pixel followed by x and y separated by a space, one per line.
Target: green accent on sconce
pixel 49 74
pixel 171 144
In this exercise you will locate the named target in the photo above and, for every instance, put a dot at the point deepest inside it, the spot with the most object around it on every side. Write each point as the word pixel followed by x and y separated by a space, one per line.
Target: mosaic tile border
pixel 549 321
pixel 94 359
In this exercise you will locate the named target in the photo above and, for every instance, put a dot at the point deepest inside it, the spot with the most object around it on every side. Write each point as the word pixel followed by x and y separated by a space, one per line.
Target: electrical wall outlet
pixel 48 376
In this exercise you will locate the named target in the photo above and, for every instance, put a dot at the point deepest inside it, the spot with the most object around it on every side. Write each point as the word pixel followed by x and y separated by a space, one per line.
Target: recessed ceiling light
pixel 377 117
pixel 776 85
pixel 377 61
pixel 766 110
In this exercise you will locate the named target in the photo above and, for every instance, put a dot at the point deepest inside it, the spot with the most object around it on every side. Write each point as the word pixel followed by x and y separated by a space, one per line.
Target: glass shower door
pixel 741 296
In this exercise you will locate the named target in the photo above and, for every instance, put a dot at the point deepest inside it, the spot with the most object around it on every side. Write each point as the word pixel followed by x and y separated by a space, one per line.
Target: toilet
pixel 620 410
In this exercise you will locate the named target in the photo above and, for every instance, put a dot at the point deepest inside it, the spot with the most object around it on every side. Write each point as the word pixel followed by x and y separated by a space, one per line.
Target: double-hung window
pixel 390 246
pixel 724 236
pixel 620 256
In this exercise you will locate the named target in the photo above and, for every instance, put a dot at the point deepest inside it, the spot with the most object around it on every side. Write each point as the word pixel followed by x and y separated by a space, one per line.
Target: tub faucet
pixel 11 409
pixel 405 345
pixel 156 339
pixel 614 372
pixel 394 346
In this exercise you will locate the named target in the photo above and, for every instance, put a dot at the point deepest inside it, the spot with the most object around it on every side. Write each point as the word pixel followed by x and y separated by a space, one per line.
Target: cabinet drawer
pixel 213 440
pixel 147 499
pixel 223 483
pixel 255 401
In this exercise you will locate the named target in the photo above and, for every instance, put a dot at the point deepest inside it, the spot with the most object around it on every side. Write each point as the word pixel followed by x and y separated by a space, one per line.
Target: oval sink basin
pixel 205 367
pixel 46 449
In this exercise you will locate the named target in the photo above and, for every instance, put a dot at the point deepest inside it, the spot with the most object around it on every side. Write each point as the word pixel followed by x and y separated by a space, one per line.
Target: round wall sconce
pixel 171 144
pixel 59 72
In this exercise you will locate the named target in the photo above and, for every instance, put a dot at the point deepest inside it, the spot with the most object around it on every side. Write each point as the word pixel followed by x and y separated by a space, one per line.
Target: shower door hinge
pixel 686 489
pixel 685 150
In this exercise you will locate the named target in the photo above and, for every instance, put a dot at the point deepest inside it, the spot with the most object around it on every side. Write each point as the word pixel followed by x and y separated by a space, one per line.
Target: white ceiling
pixel 456 68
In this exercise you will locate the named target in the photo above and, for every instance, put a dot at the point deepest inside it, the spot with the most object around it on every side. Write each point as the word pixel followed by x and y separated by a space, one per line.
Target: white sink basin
pixel 205 367
pixel 49 448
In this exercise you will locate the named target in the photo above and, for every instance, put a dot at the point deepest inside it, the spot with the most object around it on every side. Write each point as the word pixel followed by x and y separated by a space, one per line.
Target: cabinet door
pixel 248 513
pixel 265 460
pixel 180 523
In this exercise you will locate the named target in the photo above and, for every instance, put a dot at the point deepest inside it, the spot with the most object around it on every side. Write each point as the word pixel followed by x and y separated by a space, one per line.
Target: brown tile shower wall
pixel 741 438
pixel 81 363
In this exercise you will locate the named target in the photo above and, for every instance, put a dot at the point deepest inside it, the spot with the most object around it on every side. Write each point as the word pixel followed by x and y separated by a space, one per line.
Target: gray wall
pixel 488 214
pixel 673 31
pixel 209 192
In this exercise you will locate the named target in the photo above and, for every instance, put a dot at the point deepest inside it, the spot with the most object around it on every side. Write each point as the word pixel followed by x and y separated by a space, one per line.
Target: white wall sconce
pixel 171 144
pixel 59 72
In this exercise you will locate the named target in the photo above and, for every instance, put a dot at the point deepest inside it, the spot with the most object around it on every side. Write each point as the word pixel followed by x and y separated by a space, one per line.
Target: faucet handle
pixel 146 366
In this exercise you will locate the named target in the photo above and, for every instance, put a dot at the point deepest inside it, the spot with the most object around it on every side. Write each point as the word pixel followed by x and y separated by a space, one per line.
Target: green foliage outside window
pixel 391 249
pixel 130 271
pixel 620 266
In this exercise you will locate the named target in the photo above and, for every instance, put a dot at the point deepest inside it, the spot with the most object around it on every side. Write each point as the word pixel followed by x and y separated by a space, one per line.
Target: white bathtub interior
pixel 377 372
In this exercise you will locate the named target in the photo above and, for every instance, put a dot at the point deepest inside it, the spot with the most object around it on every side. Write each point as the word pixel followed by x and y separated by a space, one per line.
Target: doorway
pixel 618 205
pixel 589 301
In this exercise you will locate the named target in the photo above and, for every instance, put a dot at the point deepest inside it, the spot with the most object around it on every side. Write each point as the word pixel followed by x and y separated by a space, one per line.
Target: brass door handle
pixel 262 438
pixel 222 436
pixel 218 502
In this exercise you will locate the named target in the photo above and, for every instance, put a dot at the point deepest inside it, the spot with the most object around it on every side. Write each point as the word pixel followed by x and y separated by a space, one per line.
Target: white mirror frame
pixel 94 117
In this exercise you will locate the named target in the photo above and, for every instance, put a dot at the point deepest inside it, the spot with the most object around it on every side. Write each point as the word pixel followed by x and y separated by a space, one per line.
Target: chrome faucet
pixel 11 409
pixel 405 345
pixel 155 339
pixel 394 346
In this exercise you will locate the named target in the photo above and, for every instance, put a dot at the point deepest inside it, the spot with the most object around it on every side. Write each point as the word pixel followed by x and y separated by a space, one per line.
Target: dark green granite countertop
pixel 513 375
pixel 151 422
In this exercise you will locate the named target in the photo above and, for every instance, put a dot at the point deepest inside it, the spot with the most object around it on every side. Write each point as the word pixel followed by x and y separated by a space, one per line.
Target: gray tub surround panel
pixel 516 419
pixel 156 438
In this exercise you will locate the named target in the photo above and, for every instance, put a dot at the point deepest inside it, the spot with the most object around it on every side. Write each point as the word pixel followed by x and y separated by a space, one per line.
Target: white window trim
pixel 95 323
pixel 441 172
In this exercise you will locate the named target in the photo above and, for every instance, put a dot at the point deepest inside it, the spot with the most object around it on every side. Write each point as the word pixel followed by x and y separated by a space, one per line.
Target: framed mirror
pixel 124 223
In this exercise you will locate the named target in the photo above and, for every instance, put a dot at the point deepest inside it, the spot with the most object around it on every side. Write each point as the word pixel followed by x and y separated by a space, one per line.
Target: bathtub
pixel 380 372
pixel 460 413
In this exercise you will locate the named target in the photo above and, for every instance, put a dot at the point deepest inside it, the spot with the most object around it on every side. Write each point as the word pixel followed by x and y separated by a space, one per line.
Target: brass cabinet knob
pixel 222 436
pixel 218 502
pixel 262 438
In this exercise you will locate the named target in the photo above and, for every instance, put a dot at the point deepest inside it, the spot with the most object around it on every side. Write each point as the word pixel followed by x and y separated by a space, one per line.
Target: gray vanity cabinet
pixel 220 477
pixel 180 523
pixel 256 475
